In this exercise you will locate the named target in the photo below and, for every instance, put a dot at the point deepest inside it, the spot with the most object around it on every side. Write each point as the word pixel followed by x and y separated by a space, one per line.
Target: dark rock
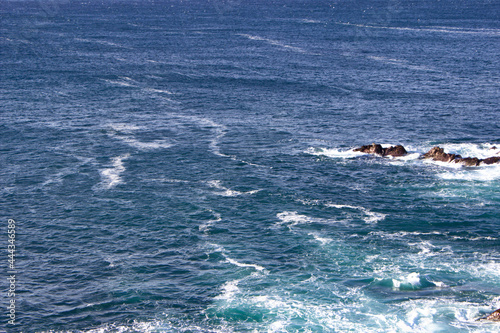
pixel 395 151
pixel 378 150
pixel 438 154
pixel 495 316
pixel 371 149
pixel 468 161
pixel 491 160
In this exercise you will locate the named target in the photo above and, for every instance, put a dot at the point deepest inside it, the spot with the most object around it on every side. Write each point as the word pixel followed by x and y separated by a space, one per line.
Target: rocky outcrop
pixel 395 151
pixel 378 150
pixel 491 160
pixel 438 154
pixel 495 316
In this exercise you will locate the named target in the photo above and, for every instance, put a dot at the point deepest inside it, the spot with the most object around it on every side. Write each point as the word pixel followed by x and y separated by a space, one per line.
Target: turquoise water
pixel 188 166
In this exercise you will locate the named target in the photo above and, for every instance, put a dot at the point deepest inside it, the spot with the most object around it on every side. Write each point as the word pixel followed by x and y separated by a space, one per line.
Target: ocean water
pixel 187 166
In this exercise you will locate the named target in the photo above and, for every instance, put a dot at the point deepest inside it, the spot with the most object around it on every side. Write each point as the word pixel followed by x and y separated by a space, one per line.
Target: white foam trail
pixel 274 42
pixel 311 21
pixel 334 153
pixel 403 234
pixel 125 132
pixel 102 42
pixel 24 41
pixel 169 180
pixel 124 127
pixel 229 289
pixel 402 63
pixel 57 178
pixel 111 176
pixel 119 83
pixel 218 131
pixel 207 225
pixel 291 219
pixel 221 249
pixel 160 91
pixel 239 264
pixel 371 217
pixel 467 31
pixel 226 192
pixel 157 144
pixel 488 238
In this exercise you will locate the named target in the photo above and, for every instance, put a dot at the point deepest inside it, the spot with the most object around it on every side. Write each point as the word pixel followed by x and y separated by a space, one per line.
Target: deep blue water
pixel 187 166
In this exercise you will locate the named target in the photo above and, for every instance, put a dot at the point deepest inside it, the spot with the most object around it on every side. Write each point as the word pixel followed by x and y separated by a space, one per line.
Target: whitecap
pixel 322 240
pixel 411 281
pixel 293 218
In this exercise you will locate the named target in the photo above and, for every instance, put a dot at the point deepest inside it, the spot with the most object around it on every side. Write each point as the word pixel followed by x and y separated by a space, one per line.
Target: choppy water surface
pixel 188 167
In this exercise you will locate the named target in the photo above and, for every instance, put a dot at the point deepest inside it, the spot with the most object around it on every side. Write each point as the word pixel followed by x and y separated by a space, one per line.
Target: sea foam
pixel 226 192
pixel 112 176
pixel 274 42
